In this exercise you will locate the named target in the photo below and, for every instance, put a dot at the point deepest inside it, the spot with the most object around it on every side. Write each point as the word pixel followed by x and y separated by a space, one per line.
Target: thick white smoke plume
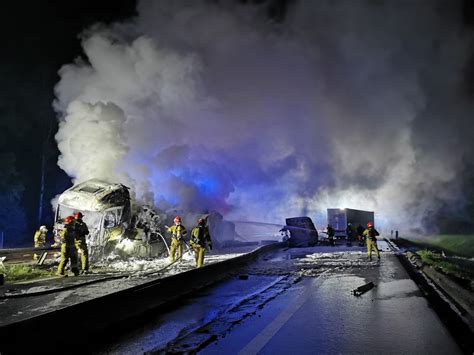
pixel 92 140
pixel 213 106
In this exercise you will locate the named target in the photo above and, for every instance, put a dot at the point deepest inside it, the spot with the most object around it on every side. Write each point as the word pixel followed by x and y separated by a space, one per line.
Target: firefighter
pixel 331 233
pixel 200 240
pixel 371 236
pixel 81 231
pixel 178 232
pixel 360 235
pixel 68 247
pixel 350 234
pixel 40 239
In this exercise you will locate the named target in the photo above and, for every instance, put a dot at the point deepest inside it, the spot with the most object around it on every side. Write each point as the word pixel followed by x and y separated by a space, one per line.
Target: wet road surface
pixel 299 301
pixel 320 315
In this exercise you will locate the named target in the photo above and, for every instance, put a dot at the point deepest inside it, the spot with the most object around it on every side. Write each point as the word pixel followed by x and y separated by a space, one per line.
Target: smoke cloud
pixel 214 106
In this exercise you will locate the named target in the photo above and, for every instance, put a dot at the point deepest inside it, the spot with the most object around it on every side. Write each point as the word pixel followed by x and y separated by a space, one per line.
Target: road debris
pixel 363 289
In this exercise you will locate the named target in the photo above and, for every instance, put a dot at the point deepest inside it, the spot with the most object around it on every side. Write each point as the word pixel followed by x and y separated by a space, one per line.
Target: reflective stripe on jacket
pixel 177 231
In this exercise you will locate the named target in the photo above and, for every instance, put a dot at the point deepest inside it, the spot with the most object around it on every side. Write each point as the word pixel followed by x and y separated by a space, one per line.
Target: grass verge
pixel 459 244
pixel 451 267
pixel 19 272
pixel 451 244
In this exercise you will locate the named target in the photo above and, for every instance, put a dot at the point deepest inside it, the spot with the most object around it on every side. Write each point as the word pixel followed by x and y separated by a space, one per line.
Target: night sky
pixel 38 38
pixel 41 37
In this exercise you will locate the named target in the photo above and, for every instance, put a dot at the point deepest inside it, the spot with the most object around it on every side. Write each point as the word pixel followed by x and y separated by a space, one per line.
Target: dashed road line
pixel 257 343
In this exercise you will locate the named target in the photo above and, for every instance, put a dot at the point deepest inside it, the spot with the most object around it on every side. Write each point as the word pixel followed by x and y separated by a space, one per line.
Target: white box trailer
pixel 338 218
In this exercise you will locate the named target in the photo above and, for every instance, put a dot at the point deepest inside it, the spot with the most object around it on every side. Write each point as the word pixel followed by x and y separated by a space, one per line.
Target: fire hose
pixel 69 287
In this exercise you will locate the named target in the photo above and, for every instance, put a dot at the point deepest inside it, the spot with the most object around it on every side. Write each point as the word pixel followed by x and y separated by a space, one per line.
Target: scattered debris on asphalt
pixel 363 289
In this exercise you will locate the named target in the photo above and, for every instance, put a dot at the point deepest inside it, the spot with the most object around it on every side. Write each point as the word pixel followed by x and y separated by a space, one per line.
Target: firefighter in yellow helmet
pixel 81 231
pixel 370 234
pixel 40 239
pixel 68 247
pixel 200 239
pixel 178 232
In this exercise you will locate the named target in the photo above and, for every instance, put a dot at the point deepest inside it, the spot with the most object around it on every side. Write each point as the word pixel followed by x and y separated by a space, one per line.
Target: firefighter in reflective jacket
pixel 81 231
pixel 68 247
pixel 370 235
pixel 40 239
pixel 178 232
pixel 200 239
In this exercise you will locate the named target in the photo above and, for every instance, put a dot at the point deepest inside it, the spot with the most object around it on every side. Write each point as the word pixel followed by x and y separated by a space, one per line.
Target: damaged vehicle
pixel 113 225
pixel 302 232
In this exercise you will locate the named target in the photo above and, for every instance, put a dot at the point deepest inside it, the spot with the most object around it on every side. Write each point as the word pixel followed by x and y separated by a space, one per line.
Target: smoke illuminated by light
pixel 211 106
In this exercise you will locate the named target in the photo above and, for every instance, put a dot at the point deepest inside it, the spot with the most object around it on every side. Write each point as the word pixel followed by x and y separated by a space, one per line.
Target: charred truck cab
pixel 106 208
pixel 303 233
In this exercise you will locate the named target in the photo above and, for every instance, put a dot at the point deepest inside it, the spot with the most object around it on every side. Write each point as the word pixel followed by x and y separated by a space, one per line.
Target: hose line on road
pixel 69 287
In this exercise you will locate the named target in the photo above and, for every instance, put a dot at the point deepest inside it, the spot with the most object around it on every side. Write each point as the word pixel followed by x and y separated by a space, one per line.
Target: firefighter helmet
pixel 43 228
pixel 78 215
pixel 177 219
pixel 370 225
pixel 201 221
pixel 68 219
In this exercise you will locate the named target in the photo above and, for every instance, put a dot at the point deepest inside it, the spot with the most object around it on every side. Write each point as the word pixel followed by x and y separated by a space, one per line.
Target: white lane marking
pixel 257 343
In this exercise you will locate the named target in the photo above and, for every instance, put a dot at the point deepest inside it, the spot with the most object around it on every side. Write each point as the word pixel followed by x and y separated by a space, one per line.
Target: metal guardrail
pixel 4 252
pixel 25 255
pixel 453 321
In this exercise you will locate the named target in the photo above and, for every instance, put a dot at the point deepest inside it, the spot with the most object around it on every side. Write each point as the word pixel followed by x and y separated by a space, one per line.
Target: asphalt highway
pixel 300 301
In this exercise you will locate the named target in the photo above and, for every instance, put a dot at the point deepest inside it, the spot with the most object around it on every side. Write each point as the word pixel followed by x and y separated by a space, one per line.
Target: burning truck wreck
pixel 120 227
pixel 115 224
